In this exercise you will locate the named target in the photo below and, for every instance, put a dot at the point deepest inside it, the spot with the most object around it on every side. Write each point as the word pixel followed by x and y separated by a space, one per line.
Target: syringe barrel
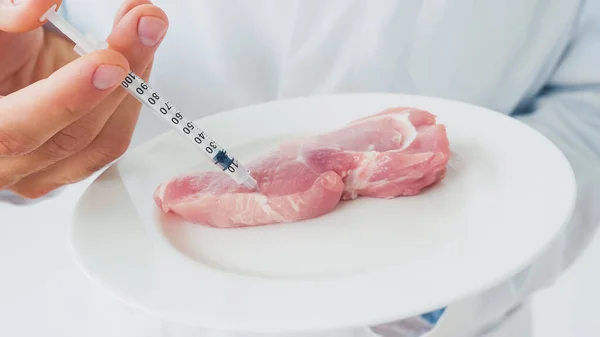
pixel 186 128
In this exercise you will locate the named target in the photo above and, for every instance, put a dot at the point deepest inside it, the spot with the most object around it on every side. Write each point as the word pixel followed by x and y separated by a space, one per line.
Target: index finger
pixel 17 16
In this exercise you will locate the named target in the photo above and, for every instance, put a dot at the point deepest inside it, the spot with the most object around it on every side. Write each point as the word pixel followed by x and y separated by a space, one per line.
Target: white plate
pixel 508 193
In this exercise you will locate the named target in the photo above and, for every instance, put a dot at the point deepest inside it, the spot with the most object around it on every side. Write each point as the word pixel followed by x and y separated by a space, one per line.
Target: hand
pixel 64 117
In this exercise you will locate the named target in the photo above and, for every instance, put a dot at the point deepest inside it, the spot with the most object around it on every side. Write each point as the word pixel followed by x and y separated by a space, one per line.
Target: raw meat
pixel 397 152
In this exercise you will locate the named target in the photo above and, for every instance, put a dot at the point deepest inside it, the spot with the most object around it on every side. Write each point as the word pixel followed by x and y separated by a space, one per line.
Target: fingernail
pixel 151 30
pixel 108 76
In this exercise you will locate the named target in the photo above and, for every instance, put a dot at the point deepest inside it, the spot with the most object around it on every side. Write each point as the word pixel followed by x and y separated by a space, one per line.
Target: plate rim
pixel 161 137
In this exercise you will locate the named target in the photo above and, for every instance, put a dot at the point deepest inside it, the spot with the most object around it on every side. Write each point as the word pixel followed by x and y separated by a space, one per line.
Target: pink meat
pixel 397 152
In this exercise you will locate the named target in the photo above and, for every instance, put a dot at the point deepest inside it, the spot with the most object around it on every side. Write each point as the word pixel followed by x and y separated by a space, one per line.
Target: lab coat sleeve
pixel 567 111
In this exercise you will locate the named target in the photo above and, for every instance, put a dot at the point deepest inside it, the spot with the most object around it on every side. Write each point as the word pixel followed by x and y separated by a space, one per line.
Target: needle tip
pixel 251 183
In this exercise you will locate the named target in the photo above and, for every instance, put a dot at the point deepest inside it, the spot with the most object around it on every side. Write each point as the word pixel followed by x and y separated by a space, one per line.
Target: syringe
pixel 139 89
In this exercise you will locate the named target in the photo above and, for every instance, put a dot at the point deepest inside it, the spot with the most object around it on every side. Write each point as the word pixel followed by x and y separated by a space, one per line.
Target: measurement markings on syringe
pixel 145 92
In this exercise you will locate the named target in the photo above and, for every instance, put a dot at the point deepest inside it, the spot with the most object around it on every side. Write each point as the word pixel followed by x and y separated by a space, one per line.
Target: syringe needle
pixel 251 183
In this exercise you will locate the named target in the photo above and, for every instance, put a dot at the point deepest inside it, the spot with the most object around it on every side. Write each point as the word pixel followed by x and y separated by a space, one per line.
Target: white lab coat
pixel 537 60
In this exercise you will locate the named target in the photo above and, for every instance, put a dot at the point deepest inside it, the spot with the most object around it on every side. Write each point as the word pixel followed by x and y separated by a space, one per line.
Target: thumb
pixel 18 16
